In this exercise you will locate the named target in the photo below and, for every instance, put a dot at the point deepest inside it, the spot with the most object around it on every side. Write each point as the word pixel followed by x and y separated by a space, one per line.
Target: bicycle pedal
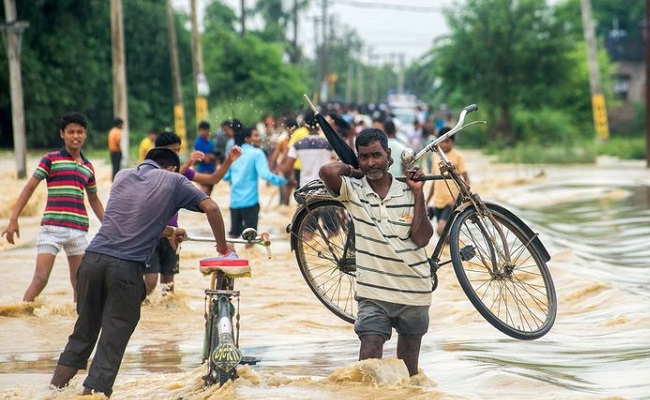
pixel 249 360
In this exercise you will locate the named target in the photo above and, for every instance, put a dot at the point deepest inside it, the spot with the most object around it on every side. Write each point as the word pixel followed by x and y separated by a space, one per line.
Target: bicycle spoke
pixel 325 257
pixel 505 277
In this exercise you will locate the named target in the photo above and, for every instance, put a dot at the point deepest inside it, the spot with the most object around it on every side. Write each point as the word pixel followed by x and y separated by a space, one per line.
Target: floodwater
pixel 595 221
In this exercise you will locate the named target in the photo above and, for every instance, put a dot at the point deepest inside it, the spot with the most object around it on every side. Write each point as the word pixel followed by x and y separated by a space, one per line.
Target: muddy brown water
pixel 595 221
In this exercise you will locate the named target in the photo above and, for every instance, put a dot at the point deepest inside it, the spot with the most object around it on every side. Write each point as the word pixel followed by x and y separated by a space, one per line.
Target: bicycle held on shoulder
pixel 499 261
pixel 221 339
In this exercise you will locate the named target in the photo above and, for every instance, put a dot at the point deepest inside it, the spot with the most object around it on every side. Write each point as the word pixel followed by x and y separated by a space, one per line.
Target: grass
pixel 585 151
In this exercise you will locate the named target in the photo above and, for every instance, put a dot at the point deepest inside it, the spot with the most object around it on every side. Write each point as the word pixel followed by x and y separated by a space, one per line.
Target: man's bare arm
pixel 96 205
pixel 331 175
pixel 421 229
pixel 213 213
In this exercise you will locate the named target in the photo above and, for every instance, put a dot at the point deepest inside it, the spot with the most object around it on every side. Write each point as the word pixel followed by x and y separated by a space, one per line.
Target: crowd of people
pixel 135 246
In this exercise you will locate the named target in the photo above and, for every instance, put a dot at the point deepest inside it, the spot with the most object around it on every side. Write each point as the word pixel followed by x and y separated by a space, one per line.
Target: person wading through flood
pixel 110 281
pixel 393 281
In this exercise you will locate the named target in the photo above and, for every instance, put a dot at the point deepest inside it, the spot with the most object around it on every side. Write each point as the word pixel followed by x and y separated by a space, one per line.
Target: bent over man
pixel 110 282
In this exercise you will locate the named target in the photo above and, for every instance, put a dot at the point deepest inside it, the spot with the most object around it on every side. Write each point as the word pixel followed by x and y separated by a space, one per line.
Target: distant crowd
pixel 415 127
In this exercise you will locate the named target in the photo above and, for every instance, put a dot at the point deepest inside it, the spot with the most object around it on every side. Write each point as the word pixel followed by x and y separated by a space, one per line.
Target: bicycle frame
pixel 466 198
pixel 221 339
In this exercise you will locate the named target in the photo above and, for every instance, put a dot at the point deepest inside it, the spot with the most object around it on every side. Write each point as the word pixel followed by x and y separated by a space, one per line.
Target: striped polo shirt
pixel 390 267
pixel 66 180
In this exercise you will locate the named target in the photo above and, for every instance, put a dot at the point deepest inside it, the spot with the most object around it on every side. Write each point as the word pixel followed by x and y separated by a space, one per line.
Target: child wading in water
pixel 65 221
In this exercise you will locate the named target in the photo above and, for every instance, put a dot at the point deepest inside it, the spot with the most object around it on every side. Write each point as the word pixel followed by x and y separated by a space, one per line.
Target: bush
pixel 532 153
pixel 247 111
pixel 632 148
pixel 554 127
pixel 473 137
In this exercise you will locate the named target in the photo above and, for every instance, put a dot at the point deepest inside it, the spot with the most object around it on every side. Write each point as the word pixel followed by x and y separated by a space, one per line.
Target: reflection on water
pixel 608 233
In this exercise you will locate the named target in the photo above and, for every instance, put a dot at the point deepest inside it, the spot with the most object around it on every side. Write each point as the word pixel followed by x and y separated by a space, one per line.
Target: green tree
pixel 277 19
pixel 505 53
pixel 219 17
pixel 62 65
pixel 627 14
pixel 66 65
pixel 148 67
pixel 247 68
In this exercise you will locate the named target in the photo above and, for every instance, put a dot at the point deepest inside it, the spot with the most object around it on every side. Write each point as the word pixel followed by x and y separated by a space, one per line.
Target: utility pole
pixel 646 36
pixel 400 73
pixel 374 69
pixel 12 32
pixel 597 99
pixel 179 113
pixel 295 54
pixel 325 51
pixel 360 96
pixel 202 87
pixel 242 18
pixel 120 100
pixel 318 54
pixel 348 81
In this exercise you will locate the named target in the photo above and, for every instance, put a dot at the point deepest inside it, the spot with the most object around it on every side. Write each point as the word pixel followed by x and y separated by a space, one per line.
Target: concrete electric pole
pixel 13 31
pixel 647 82
pixel 597 99
pixel 120 100
pixel 179 113
pixel 202 87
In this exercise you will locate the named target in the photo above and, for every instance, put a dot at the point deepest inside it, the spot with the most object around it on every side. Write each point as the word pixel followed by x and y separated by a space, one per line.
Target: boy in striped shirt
pixel 65 221
pixel 393 278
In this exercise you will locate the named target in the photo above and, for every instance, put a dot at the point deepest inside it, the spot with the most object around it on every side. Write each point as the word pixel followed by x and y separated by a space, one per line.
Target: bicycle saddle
pixel 234 267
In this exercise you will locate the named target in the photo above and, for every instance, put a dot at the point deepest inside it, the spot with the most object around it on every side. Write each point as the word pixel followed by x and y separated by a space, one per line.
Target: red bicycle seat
pixel 234 267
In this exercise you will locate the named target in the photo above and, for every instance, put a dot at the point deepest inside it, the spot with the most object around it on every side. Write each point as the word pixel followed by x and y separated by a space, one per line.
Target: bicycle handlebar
pixel 424 178
pixel 249 236
pixel 409 157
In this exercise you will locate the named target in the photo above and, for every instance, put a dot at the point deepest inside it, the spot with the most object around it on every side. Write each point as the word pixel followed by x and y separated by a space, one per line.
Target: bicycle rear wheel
pixel 506 279
pixel 220 307
pixel 322 236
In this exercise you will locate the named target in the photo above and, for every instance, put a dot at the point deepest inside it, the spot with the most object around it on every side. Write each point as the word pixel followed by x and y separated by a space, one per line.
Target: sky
pixel 390 29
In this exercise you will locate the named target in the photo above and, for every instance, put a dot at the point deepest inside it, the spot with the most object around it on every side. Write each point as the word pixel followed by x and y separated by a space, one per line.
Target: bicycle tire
pixel 216 374
pixel 223 377
pixel 517 297
pixel 213 375
pixel 324 249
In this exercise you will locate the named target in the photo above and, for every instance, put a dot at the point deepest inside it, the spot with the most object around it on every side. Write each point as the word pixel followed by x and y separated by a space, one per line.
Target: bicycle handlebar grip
pixel 471 108
pixel 423 178
pixel 265 238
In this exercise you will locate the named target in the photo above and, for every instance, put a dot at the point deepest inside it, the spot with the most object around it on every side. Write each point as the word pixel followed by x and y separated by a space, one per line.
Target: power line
pixel 388 6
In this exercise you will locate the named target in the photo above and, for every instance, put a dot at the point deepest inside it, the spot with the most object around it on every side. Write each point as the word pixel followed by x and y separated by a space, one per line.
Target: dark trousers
pixel 110 291
pixel 116 160
pixel 242 218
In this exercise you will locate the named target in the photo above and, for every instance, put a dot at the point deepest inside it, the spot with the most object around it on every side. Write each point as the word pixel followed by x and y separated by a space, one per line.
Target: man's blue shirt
pixel 207 147
pixel 244 175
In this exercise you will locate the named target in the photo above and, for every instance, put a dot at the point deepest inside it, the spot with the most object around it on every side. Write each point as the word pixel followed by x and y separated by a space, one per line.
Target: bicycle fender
pixel 535 240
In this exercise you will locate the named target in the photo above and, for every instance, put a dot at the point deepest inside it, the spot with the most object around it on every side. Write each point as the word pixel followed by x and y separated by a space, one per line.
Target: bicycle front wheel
pixel 322 236
pixel 503 273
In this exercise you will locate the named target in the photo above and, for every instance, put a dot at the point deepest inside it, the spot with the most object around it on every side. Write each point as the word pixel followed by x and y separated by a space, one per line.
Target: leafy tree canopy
pixel 508 55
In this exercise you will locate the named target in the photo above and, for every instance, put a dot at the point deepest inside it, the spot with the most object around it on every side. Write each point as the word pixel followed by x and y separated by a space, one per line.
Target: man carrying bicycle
pixel 393 278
